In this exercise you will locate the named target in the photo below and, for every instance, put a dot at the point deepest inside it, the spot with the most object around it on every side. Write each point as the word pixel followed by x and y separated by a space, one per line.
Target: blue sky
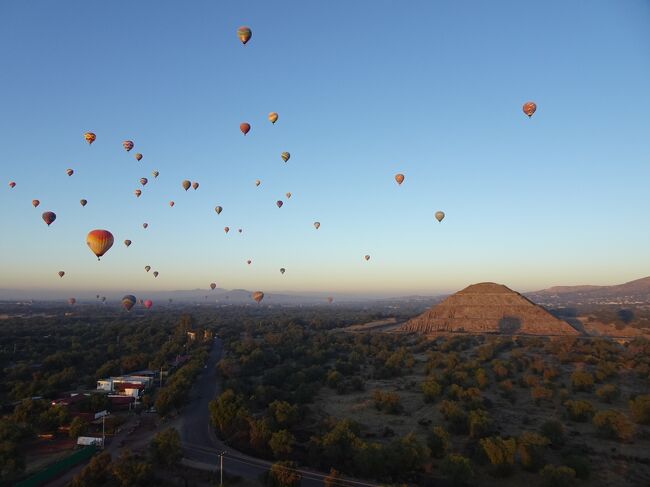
pixel 364 90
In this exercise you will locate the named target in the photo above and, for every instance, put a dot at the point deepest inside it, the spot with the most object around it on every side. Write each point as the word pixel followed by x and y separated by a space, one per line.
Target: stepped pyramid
pixel 488 308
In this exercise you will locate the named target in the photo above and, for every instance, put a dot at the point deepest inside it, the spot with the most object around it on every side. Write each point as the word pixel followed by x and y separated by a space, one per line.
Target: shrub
pixel 387 402
pixel 500 453
pixel 614 425
pixel 554 431
pixel 479 423
pixel 457 469
pixel 456 417
pixel 579 410
pixel 579 464
pixel 608 392
pixel 531 448
pixel 640 407
pixel 539 394
pixel 431 389
pixel 482 379
pixel 582 381
pixel 561 476
pixel 438 441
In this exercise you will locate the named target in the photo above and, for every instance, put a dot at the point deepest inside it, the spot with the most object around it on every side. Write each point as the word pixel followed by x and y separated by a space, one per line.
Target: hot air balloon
pixel 127 242
pixel 257 296
pixel 317 225
pixel 170 300
pixel 155 174
pixel 186 184
pixel 128 145
pixel 213 285
pixel 273 117
pixel 137 193
pixel 399 178
pixel 257 182
pixel 138 156
pixel 171 203
pixel 195 185
pixel 226 229
pixel 240 230
pixel 244 33
pixel 144 181
pixel 440 215
pixel 285 156
pixel 71 301
pixel 367 257
pixel 12 184
pixel 145 225
pixel 279 203
pixel 97 296
pixel 249 262
pixel 61 273
pixel 155 273
pixel 69 172
pixel 218 209
pixel 330 299
pixel 90 137
pixel 99 241
pixel 48 217
pixel 147 268
pixel 141 301
pixel 103 299
pixel 529 108
pixel 148 303
pixel 282 270
pixel 35 203
pixel 128 302
pixel 245 127
pixel 288 195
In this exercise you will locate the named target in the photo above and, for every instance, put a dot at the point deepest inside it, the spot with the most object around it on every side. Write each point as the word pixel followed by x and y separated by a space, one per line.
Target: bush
pixel 613 425
pixel 500 453
pixel 555 476
pixel 438 441
pixel 531 448
pixel 431 390
pixel 539 394
pixel 554 431
pixel 387 402
pixel 479 423
pixel 580 411
pixel 580 465
pixel 608 392
pixel 640 407
pixel 457 469
pixel 456 417
pixel 582 381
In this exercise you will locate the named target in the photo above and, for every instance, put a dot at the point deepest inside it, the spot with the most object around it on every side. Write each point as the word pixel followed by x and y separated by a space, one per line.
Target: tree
pixel 405 455
pixel 531 448
pixel 281 443
pixel 539 394
pixel 224 410
pixel 77 427
pixel 438 441
pixel 283 474
pixel 500 453
pixel 259 433
pixel 97 472
pixel 12 462
pixel 166 448
pixel 640 407
pixel 457 469
pixel 479 423
pixel 283 413
pixel 131 471
pixel 555 476
pixel 455 415
pixel 614 425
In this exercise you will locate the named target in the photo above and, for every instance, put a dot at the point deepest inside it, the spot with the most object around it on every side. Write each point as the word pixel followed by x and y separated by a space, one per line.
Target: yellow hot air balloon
pixel 90 137
pixel 99 241
pixel 186 184
pixel 155 174
pixel 273 117
pixel 399 178
pixel 285 156
pixel 257 296
pixel 244 33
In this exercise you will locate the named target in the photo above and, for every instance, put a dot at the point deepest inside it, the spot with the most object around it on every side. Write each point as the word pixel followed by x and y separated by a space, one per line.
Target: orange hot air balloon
pixel 128 145
pixel 279 203
pixel 529 108
pixel 147 268
pixel 171 203
pixel 367 257
pixel 137 193
pixel 12 184
pixel 155 273
pixel 218 209
pixel 226 229
pixel 317 225
pixel 245 127
pixel 195 185
pixel 285 156
pixel 61 273
pixel 399 178
pixel 69 172
pixel 186 184
pixel 127 242
pixel 257 296
pixel 99 241
pixel 244 33
pixel 71 301
pixel 249 262
pixel 48 217
pixel 145 225
pixel 35 203
pixel 138 156
pixel 83 202
pixel 213 285
pixel 148 303
pixel 273 117
pixel 90 137
pixel 144 181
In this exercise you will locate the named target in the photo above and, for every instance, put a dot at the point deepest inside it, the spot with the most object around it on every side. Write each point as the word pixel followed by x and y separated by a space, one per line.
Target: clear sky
pixel 364 89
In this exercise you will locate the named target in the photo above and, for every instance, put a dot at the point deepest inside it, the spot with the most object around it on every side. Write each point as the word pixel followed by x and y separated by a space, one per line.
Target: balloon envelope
pixel 138 156
pixel 279 203
pixel 128 301
pixel 155 273
pixel 213 285
pixel 226 229
pixel 127 242
pixel 145 225
pixel 137 193
pixel 288 195
pixel 195 185
pixel 99 241
pixel 257 296
pixel 367 257
pixel 143 181
pixel 285 156
pixel 257 182
pixel 244 33
pixel 83 202
pixel 440 215
pixel 399 178
pixel 282 270
pixel 148 303
pixel 186 184
pixel 90 137
pixel 529 108
pixel 48 217
pixel 245 127
pixel 218 209
pixel 69 172
pixel 71 301
pixel 61 273
pixel 171 203
pixel 155 174
pixel 273 117
pixel 12 184
pixel 128 145
pixel 35 203
pixel 147 268
pixel 317 225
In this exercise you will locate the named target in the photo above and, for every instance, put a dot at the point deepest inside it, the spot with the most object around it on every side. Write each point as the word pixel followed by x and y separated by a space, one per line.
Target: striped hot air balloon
pixel 128 145
pixel 244 34
pixel 99 242
pixel 90 137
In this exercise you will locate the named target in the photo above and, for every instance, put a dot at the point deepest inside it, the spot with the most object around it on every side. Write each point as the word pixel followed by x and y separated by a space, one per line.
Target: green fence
pixel 58 468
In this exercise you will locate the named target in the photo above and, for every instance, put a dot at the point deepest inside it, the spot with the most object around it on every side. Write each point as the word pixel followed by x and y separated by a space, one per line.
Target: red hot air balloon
pixel 257 296
pixel 12 184
pixel 529 108
pixel 195 185
pixel 35 203
pixel 226 229
pixel 99 241
pixel 244 34
pixel 245 127
pixel 48 217
pixel 148 303
pixel 128 145
pixel 137 193
pixel 399 178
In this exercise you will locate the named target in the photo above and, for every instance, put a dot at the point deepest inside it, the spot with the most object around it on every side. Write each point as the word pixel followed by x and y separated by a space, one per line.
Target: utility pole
pixel 161 376
pixel 103 431
pixel 221 454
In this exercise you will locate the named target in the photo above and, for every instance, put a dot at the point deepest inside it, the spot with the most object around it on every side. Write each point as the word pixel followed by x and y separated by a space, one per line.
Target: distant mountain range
pixel 632 292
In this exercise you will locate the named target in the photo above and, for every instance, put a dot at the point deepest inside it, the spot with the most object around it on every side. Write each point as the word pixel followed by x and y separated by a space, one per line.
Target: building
pixel 127 385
